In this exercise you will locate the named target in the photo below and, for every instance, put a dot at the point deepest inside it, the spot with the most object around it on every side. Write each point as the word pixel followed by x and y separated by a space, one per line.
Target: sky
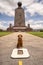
pixel 33 13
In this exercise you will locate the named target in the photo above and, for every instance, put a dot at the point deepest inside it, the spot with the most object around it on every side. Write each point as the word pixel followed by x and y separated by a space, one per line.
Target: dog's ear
pixel 18 35
pixel 21 36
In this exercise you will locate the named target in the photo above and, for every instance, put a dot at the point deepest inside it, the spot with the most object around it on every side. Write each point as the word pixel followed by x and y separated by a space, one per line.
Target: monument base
pixel 20 53
pixel 19 28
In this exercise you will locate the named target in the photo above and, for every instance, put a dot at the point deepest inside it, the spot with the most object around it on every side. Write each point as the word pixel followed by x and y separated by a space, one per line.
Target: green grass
pixel 4 33
pixel 40 34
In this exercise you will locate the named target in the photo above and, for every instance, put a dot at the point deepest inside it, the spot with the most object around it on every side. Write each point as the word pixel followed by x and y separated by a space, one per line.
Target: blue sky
pixel 33 13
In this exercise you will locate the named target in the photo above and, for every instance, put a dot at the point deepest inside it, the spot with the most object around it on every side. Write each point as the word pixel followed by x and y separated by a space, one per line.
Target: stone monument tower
pixel 19 22
pixel 19 16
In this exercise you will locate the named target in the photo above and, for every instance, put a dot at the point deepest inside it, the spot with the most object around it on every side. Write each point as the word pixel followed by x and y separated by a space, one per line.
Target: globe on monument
pixel 19 4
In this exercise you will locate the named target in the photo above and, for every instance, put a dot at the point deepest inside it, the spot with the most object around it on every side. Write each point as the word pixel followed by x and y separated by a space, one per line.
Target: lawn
pixel 40 34
pixel 4 33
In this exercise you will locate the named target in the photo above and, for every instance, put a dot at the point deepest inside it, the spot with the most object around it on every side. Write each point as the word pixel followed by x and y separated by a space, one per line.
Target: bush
pixel 41 30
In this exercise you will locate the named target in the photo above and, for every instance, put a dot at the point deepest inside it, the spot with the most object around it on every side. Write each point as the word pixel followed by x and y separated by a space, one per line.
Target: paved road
pixel 34 45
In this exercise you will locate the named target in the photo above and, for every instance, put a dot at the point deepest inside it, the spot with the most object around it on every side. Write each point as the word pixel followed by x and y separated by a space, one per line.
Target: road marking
pixel 20 62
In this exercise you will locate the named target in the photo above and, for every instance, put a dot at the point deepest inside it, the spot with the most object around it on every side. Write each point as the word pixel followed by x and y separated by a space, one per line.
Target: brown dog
pixel 20 42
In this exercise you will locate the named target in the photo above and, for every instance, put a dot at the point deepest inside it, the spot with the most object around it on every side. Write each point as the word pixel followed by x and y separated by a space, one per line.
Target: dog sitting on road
pixel 20 41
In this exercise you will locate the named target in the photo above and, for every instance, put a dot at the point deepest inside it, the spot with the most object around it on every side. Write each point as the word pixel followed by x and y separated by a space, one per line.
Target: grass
pixel 39 34
pixel 4 33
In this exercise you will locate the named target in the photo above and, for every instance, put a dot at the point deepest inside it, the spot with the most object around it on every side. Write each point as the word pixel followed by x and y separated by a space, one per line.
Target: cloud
pixel 4 25
pixel 36 16
pixel 35 24
pixel 35 7
pixel 8 6
pixel 38 1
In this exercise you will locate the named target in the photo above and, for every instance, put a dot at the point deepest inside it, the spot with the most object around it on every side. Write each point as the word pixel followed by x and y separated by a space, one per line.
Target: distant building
pixel 10 28
pixel 1 30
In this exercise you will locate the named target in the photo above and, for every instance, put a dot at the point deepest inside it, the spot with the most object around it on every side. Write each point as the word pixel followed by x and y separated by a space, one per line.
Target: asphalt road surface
pixel 33 43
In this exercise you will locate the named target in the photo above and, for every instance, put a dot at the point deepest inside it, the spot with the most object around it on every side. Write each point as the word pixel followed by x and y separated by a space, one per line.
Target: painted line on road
pixel 20 62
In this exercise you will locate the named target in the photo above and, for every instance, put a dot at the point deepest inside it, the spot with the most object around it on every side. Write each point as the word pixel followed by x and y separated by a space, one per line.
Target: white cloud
pixel 4 27
pixel 35 24
pixel 11 22
pixel 8 6
pixel 36 7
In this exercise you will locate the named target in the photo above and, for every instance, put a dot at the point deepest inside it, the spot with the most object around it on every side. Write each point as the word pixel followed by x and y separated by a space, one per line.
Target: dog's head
pixel 20 36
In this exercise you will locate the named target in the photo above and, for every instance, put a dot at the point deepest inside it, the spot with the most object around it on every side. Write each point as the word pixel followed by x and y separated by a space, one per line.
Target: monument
pixel 19 22
pixel 19 16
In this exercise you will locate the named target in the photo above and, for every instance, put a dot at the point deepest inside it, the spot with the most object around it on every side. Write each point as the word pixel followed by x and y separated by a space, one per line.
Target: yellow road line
pixel 20 62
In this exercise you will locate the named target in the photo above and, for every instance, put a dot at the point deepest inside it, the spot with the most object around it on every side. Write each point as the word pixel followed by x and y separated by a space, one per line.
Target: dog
pixel 20 41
